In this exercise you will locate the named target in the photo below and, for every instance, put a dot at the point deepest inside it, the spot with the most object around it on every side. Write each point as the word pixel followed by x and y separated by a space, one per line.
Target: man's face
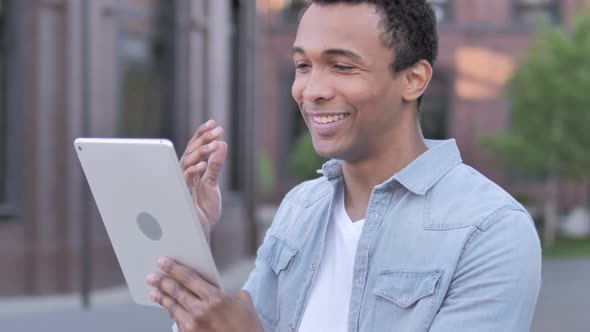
pixel 346 92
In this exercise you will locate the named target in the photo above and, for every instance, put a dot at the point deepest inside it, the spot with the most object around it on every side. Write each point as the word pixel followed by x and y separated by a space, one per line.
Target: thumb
pixel 215 164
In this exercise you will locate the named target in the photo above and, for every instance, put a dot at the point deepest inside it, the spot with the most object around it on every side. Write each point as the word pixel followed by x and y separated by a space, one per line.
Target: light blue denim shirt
pixel 443 249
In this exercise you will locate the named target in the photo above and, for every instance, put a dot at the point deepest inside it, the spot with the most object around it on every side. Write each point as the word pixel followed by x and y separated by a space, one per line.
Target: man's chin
pixel 331 149
pixel 328 152
pixel 324 150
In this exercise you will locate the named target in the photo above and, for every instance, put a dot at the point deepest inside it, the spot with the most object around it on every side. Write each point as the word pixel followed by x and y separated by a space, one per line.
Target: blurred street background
pixel 510 85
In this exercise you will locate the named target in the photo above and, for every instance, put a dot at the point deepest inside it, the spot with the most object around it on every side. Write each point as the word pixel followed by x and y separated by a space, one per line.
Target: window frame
pixel 444 78
pixel 520 5
pixel 11 205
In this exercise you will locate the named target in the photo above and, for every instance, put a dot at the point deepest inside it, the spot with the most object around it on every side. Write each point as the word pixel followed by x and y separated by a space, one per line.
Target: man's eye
pixel 301 66
pixel 343 67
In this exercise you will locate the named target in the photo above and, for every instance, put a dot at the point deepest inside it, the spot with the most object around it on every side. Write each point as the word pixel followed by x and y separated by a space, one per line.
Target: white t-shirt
pixel 329 299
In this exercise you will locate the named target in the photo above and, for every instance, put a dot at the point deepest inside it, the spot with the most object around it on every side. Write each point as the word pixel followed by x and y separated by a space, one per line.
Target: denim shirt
pixel 442 249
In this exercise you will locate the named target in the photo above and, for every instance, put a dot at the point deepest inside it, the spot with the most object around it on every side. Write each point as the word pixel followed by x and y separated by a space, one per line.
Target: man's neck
pixel 362 176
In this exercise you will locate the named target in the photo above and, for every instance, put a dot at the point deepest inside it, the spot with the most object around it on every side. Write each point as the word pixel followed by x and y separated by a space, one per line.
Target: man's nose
pixel 317 88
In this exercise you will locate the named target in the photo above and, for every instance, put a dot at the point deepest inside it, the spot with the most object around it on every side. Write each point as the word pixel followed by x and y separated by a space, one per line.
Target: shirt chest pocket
pixel 405 300
pixel 275 256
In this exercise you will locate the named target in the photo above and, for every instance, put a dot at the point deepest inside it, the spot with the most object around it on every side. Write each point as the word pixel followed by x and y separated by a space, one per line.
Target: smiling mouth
pixel 329 118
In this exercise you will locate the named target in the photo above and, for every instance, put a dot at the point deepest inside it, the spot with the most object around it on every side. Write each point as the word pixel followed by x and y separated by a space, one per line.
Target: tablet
pixel 146 208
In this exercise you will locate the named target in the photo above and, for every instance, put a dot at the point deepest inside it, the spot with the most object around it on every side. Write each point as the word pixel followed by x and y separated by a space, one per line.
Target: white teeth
pixel 329 118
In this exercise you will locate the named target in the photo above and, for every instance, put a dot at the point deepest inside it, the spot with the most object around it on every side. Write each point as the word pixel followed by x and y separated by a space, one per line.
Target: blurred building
pixel 159 68
pixel 109 68
pixel 481 43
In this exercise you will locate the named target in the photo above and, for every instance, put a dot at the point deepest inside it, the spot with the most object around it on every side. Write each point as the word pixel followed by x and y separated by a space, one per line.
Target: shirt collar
pixel 421 174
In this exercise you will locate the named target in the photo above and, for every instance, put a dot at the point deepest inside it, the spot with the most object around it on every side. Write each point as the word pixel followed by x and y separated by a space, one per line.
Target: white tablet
pixel 146 208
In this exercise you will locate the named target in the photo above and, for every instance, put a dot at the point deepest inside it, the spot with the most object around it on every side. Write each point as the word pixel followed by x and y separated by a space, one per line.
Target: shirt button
pixel 291 327
pixel 359 280
pixel 374 215
pixel 312 267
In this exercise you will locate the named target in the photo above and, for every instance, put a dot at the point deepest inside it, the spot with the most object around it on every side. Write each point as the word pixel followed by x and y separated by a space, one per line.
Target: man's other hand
pixel 201 164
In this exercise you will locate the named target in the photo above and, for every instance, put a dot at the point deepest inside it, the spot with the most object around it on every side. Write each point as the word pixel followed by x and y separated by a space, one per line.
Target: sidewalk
pixel 562 306
pixel 111 310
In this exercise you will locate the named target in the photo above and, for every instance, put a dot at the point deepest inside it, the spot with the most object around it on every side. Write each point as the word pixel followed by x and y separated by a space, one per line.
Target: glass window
pixel 10 115
pixel 434 110
pixel 531 11
pixel 442 10
pixel 292 9
pixel 3 112
pixel 145 68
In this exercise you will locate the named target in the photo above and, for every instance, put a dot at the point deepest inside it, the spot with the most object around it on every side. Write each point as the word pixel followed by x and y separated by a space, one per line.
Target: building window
pixel 442 10
pixel 292 9
pixel 3 113
pixel 146 68
pixel 434 110
pixel 531 11
pixel 10 89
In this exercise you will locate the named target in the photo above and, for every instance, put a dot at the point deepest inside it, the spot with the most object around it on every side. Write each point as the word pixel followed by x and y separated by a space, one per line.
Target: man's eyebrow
pixel 330 52
pixel 296 50
pixel 342 52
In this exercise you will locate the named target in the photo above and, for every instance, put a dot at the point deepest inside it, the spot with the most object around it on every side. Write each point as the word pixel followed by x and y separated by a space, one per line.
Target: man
pixel 398 234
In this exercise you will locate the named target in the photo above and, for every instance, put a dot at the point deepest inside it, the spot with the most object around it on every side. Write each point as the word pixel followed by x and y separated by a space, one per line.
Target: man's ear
pixel 416 80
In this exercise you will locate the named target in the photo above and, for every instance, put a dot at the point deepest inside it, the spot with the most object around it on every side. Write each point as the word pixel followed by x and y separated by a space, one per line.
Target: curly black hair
pixel 409 28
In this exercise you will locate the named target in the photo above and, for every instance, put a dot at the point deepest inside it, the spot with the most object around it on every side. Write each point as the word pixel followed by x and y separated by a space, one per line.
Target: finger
pixel 194 171
pixel 207 137
pixel 210 124
pixel 215 165
pixel 175 290
pixel 188 278
pixel 175 311
pixel 198 155
pixel 243 295
pixel 190 158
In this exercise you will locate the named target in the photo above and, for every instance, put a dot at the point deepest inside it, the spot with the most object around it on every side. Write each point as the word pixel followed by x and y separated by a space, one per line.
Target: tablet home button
pixel 149 226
